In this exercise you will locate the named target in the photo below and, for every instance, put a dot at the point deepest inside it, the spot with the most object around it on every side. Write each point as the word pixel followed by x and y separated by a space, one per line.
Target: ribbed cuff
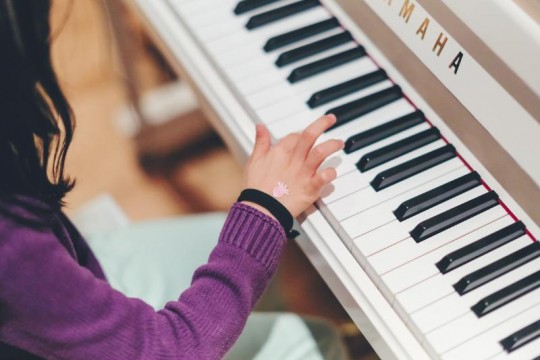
pixel 258 234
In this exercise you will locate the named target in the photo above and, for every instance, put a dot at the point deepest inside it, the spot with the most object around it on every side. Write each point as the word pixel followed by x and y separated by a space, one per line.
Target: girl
pixel 54 300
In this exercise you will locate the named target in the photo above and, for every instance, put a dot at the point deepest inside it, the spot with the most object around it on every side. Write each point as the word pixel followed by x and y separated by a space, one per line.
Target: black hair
pixel 36 121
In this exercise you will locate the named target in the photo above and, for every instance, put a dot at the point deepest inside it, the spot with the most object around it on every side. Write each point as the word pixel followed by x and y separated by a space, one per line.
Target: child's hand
pixel 293 162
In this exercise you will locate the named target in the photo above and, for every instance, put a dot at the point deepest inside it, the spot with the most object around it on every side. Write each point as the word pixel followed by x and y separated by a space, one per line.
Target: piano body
pixel 428 236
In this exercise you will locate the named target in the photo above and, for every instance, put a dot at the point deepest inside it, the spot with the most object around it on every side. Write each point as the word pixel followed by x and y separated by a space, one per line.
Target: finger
pixel 288 143
pixel 262 142
pixel 323 178
pixel 311 134
pixel 321 152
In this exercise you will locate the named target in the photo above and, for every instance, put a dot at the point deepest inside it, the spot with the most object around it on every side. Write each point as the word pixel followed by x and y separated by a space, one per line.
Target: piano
pixel 429 235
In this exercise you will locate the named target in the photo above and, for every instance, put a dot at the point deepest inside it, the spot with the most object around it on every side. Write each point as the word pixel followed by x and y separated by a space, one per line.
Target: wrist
pixel 259 208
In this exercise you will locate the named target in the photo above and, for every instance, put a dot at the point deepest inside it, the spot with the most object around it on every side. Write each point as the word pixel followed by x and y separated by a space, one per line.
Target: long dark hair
pixel 36 121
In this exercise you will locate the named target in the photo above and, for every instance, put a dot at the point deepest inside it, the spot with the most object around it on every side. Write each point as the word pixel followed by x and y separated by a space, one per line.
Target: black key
pixel 280 13
pixel 480 247
pixel 302 52
pixel 507 294
pixel 412 167
pixel 498 268
pixel 397 149
pixel 317 67
pixel 521 337
pixel 279 41
pixel 335 92
pixel 437 196
pixel 383 131
pixel 248 5
pixel 454 216
pixel 362 106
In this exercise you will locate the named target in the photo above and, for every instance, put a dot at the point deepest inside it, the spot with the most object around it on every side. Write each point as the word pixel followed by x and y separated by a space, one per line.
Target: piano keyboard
pixel 460 269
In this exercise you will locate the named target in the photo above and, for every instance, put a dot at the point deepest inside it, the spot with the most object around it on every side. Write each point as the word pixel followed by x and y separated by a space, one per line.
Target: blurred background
pixel 174 165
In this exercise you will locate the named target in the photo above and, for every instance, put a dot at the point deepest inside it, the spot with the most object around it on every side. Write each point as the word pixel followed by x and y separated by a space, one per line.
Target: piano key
pixel 397 149
pixel 480 247
pixel 299 122
pixel 273 76
pixel 280 13
pixel 380 216
pixel 410 168
pixel 348 161
pixel 509 293
pixel 245 63
pixel 388 129
pixel 313 48
pixel 248 5
pixel 367 200
pixel 356 180
pixel 395 231
pixel 414 262
pixel 345 204
pixel 293 36
pixel 327 95
pixel 459 331
pixel 362 106
pixel 317 67
pixel 226 25
pixel 295 104
pixel 498 268
pixel 412 295
pixel 529 351
pixel 486 343
pixel 385 237
pixel 256 39
pixel 521 337
pixel 452 306
pixel 284 90
pixel 452 217
pixel 437 195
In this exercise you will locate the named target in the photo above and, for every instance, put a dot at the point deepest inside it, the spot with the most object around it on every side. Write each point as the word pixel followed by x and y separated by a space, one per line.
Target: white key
pixel 313 84
pixel 469 326
pixel 354 229
pixel 350 160
pixel 297 103
pixel 394 232
pixel 374 118
pixel 344 208
pixel 453 306
pixel 418 264
pixel 262 81
pixel 234 63
pixel 528 351
pixel 438 286
pixel 371 217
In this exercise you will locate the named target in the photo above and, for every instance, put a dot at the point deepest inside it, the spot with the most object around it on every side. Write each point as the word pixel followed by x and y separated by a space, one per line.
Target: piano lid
pixel 485 98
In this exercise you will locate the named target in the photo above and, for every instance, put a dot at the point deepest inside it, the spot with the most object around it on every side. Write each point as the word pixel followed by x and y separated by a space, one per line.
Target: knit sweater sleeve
pixel 52 307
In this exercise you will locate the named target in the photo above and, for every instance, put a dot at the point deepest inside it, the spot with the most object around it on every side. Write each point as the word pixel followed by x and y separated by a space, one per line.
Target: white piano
pixel 428 235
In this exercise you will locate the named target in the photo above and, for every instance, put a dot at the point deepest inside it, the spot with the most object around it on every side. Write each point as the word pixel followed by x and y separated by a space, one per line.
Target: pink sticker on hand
pixel 280 190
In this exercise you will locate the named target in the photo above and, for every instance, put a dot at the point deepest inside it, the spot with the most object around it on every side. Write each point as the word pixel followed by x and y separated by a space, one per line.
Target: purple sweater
pixel 56 304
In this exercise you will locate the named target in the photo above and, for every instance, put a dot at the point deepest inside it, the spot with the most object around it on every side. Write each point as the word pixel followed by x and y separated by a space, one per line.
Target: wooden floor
pixel 104 161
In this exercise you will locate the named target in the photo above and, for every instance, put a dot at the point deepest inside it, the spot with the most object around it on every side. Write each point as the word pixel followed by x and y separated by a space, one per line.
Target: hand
pixel 293 161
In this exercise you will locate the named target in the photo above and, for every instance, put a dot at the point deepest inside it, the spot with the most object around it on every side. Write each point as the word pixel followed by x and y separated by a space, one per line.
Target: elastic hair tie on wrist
pixel 280 212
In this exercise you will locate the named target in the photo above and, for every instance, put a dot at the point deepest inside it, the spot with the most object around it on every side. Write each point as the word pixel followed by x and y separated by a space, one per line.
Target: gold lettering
pixel 423 28
pixel 406 10
pixel 456 62
pixel 440 43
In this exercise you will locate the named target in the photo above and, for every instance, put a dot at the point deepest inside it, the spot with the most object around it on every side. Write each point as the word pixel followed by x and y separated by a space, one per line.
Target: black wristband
pixel 280 212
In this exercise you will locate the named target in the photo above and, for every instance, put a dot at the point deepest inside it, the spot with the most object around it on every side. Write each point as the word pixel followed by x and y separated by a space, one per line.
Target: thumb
pixel 262 142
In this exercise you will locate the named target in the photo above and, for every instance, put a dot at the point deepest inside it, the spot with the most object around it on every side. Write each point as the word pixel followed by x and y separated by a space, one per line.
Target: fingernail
pixel 332 116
